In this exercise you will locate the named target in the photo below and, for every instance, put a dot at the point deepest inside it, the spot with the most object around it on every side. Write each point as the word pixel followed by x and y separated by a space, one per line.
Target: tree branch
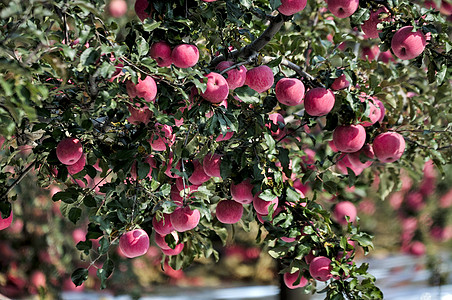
pixel 19 179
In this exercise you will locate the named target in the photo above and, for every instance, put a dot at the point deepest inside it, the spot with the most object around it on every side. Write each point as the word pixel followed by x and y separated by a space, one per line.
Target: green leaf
pixel 151 25
pixel 105 272
pixel 274 4
pixel 79 276
pixel 74 214
pixel 142 46
pixel 275 62
pixel 247 95
pixel 267 195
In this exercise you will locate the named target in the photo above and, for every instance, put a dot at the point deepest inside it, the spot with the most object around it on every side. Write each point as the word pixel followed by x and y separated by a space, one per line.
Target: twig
pixel 19 179
pixel 246 62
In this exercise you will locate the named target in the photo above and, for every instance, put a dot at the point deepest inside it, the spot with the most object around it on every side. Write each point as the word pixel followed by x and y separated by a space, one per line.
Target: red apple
pixel 343 209
pixel 138 115
pixel 389 146
pixel 290 7
pixel 319 101
pixel 369 27
pixel 178 249
pixel 340 83
pixel 117 8
pixel 164 138
pixel 236 77
pixel 320 267
pixel 289 91
pixel 225 137
pixel 163 226
pixel 277 119
pixel 134 243
pixel 140 9
pixel 69 151
pixel 242 192
pixel 185 56
pixel 160 240
pixel 386 57
pixel 291 278
pixel 4 223
pixel 366 151
pixel 374 110
pixel 211 165
pixel 349 138
pixel 229 211
pixel 261 206
pixel 146 89
pixel 260 78
pixel 184 219
pixel 198 176
pixel 342 8
pixel 407 44
pixel 217 88
pixel 78 166
pixel 161 52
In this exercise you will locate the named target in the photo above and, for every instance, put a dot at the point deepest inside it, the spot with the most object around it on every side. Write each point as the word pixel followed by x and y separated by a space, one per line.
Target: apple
pixel 229 211
pixel 242 192
pixel 217 88
pixel 445 7
pixel 260 78
pixel 165 137
pixel 138 114
pixel 185 56
pixel 277 119
pixel 343 162
pixel 370 53
pixel 291 278
pixel 184 219
pixel 160 240
pixel 261 206
pixel 374 110
pixel 6 222
pixel 178 249
pixel 319 101
pixel 414 201
pixel 366 151
pixel 349 138
pixel 407 44
pixel 161 52
pixel 180 185
pixel 340 83
pixel 117 8
pixel 134 243
pixel 38 279
pixel 320 267
pixel 146 89
pixel 417 248
pixel 176 197
pixel 369 27
pixel 343 209
pixel 236 77
pixel 198 176
pixel 211 165
pixel 382 109
pixel 386 57
pixel 78 166
pixel 289 91
pixel 342 8
pixel 290 7
pixel 225 137
pixel 389 146
pixel 78 235
pixel 140 9
pixel 69 151
pixel 163 226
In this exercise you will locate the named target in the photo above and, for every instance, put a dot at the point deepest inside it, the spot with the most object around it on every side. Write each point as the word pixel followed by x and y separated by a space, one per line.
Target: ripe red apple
pixel 417 248
pixel 138 115
pixel 117 8
pixel 374 110
pixel 229 211
pixel 290 7
pixel 343 163
pixel 370 53
pixel 176 197
pixel 69 151
pixel 37 280
pixel 160 240
pixel 225 137
pixel 178 249
pixel 289 91
pixel 342 8
pixel 161 52
pixel 184 219
pixel 236 77
pixel 242 192
pixel 276 119
pixel 211 165
pixel 146 89
pixel 382 109
pixel 407 44
pixel 354 157
pixel 163 226
pixel 164 137
pixel 217 88
pixel 389 146
pixel 180 185
pixel 185 56
pixel 291 278
pixel 386 57
pixel 134 243
pixel 261 206
pixel 198 176
pixel 78 166
pixel 369 27
pixel 260 78
pixel 140 9
pixel 340 83
pixel 349 138
pixel 343 209
pixel 4 223
pixel 319 101
pixel 320 268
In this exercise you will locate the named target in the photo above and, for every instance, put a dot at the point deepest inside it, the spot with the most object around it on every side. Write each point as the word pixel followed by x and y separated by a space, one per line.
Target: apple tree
pixel 175 121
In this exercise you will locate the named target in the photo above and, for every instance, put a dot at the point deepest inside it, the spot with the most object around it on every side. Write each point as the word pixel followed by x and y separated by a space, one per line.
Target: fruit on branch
pixel 320 268
pixel 176 197
pixel 225 137
pixel 146 89
pixel 369 27
pixel 211 165
pixel 414 201
pixel 161 242
pixel 374 110
pixel 6 222
pixel 117 8
pixel 184 219
pixel 181 185
pixel 69 151
pixel 262 207
pixel 163 226
pixel 343 162
pixel 78 166
pixel 162 138
pixel 198 176
pixel 319 101
pixel 290 7
pixel 340 83
pixel 161 52
pixel 260 78
pixel 185 56
pixel 277 119
pixel 366 151
pixel 140 9
pixel 342 8
pixel 386 57
pixel 289 91
pixel 382 109
pixel 134 243
pixel 170 166
pixel 343 209
pixel 370 53
pixel 407 44
pixel 236 77
pixel 388 147
pixel 229 211
pixel 138 114
pixel 291 278
pixel 242 192
pixel 178 249
pixel 349 138
pixel 217 88
pixel 37 280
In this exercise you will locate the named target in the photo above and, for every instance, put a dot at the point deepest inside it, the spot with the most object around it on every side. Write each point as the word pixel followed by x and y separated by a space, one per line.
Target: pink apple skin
pixel 225 137
pixel 343 163
pixel 198 176
pixel 78 166
pixel 290 7
pixel 349 138
pixel 369 27
pixel 407 44
pixel 117 8
pixel 78 235
pixel 389 146
pixel 211 165
pixel 165 137
pixel 354 159
pixel 242 192
pixel 146 89
pixel 236 77
pixel 229 211
pixel 134 243
pixel 345 208
pixel 277 118
pixel 176 197
pixel 184 219
pixel 417 248
pixel 340 83
pixel 163 226
pixel 38 279
pixel 382 109
pixel 217 88
pixel 178 249
pixel 291 278
pixel 320 268
pixel 370 53
pixel 140 9
pixel 319 102
pixel 374 110
pixel 160 240
pixel 386 57
pixel 262 206
pixel 161 52
pixel 138 115
pixel 6 222
pixel 260 78
pixel 445 8
pixel 69 151
pixel 185 56
pixel 342 8
pixel 180 185
pixel 289 91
